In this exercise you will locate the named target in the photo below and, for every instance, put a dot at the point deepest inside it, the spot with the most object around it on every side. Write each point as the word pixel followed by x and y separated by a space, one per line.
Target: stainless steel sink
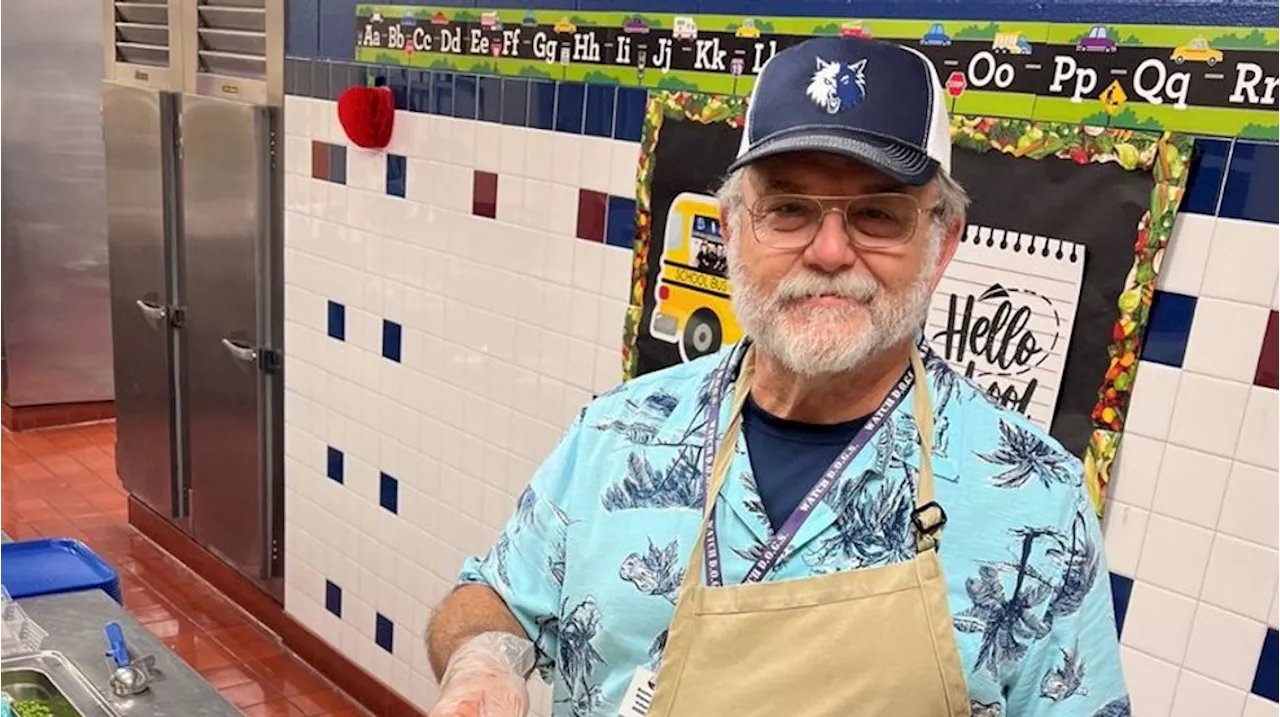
pixel 52 679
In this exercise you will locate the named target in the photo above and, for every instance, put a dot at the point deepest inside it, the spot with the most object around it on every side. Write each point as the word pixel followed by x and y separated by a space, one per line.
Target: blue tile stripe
pixel 1233 178
pixel 574 107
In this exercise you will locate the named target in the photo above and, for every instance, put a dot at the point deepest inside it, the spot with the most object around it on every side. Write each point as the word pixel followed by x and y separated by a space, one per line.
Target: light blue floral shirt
pixel 591 561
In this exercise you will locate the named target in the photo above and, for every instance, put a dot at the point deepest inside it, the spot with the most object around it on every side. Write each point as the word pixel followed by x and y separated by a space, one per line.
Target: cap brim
pixel 905 164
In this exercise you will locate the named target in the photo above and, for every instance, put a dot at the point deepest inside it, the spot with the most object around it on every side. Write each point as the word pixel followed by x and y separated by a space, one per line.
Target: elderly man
pixel 825 519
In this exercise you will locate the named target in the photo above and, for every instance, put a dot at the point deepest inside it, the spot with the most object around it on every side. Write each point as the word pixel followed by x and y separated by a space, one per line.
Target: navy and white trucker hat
pixel 871 101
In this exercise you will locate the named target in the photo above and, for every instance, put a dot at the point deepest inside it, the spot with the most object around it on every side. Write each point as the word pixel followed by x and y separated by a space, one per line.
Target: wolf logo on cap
pixel 836 86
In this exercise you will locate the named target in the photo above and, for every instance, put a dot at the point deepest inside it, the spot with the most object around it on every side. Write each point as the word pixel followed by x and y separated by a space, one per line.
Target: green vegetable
pixel 32 708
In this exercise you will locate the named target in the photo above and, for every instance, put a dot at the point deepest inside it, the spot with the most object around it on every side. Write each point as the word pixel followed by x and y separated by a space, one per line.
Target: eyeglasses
pixel 873 221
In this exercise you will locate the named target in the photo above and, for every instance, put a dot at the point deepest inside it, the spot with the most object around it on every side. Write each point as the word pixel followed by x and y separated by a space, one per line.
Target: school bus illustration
pixel 693 309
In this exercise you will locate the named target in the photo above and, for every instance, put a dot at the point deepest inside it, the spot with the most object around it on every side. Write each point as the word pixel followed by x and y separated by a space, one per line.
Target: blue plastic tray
pixel 54 565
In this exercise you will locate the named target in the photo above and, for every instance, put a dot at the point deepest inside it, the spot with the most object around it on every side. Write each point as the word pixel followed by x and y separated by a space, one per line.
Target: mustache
pixel 808 284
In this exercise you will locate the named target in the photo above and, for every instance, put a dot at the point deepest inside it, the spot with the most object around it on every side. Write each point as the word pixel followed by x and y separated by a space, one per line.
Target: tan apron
pixel 865 642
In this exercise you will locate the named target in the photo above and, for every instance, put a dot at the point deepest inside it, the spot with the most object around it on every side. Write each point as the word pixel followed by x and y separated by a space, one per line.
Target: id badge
pixel 639 695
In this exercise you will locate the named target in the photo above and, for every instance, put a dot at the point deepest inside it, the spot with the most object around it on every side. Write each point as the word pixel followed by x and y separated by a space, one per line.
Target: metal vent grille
pixel 142 32
pixel 232 37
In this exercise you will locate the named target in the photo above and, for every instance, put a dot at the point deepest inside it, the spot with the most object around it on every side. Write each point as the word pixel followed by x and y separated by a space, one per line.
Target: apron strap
pixel 720 468
pixel 928 517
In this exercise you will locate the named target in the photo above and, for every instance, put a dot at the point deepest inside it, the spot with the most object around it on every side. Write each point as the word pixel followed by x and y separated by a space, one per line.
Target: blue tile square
pixel 1253 180
pixel 389 493
pixel 397 165
pixel 337 29
pixel 1204 183
pixel 302 31
pixel 301 83
pixel 1265 677
pixel 332 598
pixel 620 223
pixel 398 81
pixel 489 99
pixel 289 75
pixel 628 120
pixel 542 104
pixel 338 163
pixel 465 89
pixel 338 78
pixel 359 76
pixel 599 116
pixel 320 79
pixel 441 93
pixel 333 462
pixel 391 340
pixel 384 633
pixel 419 91
pixel 337 322
pixel 1121 589
pixel 571 100
pixel 1168 328
pixel 515 101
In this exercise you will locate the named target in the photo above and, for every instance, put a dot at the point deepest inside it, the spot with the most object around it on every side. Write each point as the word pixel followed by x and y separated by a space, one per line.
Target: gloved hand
pixel 487 677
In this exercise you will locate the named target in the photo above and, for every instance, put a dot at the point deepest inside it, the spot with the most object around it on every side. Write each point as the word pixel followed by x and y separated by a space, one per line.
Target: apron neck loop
pixel 928 517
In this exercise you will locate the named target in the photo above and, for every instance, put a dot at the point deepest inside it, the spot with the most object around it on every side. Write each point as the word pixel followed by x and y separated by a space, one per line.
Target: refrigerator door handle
pixel 155 314
pixel 241 351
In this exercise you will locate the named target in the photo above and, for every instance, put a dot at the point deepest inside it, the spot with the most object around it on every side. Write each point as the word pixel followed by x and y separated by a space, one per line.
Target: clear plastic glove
pixel 487 677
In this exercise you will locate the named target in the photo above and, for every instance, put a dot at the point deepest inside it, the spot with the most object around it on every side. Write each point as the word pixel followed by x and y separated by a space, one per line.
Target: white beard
pixel 819 341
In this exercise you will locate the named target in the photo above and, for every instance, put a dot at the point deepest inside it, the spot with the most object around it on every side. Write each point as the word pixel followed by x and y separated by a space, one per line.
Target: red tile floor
pixel 62 483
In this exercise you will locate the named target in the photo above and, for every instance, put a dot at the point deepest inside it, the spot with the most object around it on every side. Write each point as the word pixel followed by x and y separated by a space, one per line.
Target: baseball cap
pixel 875 102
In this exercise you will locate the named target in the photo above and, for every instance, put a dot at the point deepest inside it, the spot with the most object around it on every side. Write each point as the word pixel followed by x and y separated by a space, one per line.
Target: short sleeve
pixel 525 566
pixel 1075 669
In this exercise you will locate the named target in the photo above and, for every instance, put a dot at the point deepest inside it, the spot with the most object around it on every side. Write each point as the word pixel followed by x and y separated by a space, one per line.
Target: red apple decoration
pixel 367 115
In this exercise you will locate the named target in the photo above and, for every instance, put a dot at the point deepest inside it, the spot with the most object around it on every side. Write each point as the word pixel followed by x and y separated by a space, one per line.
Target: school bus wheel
pixel 702 335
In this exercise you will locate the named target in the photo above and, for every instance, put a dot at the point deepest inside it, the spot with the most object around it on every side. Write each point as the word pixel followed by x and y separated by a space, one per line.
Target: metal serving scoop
pixel 130 677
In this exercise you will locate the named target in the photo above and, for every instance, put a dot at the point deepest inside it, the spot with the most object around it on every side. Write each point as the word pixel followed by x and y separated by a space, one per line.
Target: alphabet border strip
pixel 1128 76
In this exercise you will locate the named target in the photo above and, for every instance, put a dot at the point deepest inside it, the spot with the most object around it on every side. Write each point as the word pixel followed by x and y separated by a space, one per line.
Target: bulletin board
pixel 1080 250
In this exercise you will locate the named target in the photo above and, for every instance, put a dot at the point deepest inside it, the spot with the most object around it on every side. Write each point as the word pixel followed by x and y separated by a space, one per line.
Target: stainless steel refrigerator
pixel 191 117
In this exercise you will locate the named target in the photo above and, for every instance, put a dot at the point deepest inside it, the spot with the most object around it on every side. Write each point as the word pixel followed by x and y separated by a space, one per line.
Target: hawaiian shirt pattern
pixel 592 560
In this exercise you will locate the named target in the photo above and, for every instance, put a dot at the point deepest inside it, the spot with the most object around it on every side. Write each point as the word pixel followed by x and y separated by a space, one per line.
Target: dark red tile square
pixel 1268 373
pixel 592 209
pixel 484 197
pixel 319 160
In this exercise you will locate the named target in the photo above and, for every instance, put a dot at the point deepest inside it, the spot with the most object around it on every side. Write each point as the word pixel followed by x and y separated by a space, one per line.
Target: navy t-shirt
pixel 788 457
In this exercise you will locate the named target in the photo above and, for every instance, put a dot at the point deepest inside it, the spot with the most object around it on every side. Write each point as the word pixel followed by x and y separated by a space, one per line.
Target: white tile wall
pixel 511 324
pixel 1192 518
pixel 509 327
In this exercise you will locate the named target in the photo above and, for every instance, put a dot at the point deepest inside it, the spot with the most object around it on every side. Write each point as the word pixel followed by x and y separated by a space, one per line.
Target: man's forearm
pixel 468 611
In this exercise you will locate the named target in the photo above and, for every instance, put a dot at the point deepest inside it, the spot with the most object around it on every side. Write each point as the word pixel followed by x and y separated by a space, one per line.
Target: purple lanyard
pixel 774 549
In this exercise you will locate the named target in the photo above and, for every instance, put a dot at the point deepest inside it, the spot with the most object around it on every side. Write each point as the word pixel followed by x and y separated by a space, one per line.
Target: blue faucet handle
pixel 116 648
